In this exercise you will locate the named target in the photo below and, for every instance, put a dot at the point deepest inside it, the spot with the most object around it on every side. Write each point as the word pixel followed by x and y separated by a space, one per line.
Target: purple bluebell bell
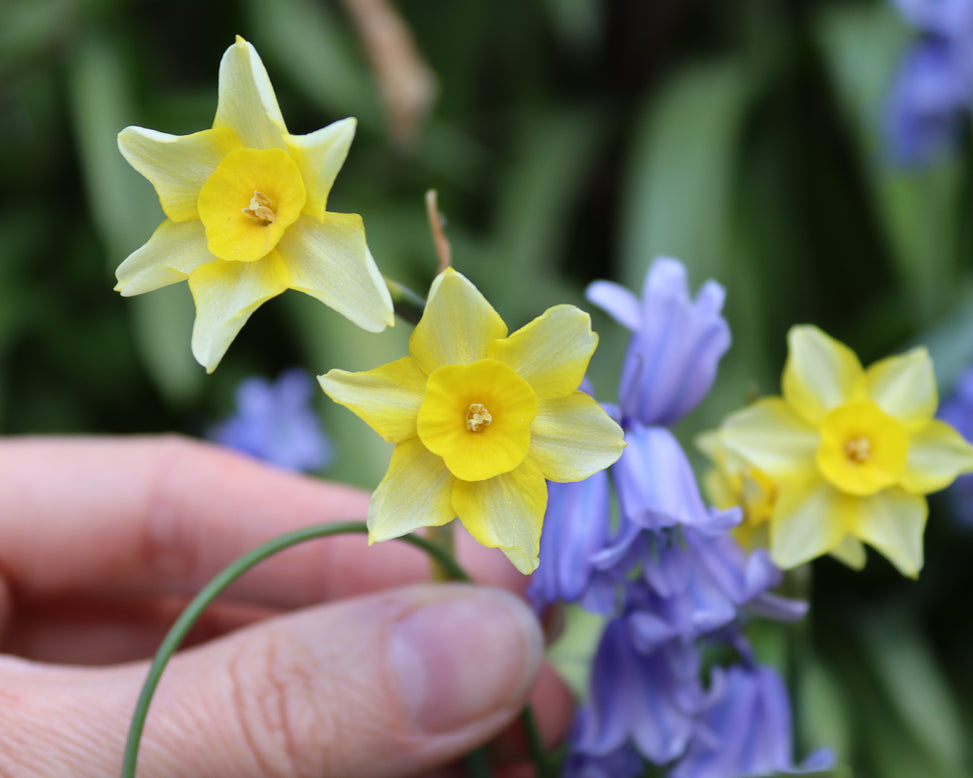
pixel 657 487
pixel 623 762
pixel 576 526
pixel 676 345
pixel 933 88
pixel 746 730
pixel 275 423
pixel 701 582
pixel 651 701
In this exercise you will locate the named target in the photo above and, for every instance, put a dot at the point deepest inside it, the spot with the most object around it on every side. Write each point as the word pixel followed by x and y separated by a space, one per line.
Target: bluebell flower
pixel 275 423
pixel 699 584
pixel 746 730
pixel 933 88
pixel 676 343
pixel 623 762
pixel 577 523
pixel 650 701
pixel 657 487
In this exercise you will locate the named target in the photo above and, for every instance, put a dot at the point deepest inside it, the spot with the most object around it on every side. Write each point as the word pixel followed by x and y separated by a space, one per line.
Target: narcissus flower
pixel 481 420
pixel 247 218
pixel 851 452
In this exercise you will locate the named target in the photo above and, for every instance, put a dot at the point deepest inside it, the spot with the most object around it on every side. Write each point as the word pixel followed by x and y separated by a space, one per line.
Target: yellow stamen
pixel 858 450
pixel 261 209
pixel 477 417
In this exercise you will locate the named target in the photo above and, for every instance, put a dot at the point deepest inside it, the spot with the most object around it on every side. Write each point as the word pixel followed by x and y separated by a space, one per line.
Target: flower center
pixel 268 183
pixel 863 450
pixel 858 450
pixel 261 209
pixel 477 417
pixel 486 398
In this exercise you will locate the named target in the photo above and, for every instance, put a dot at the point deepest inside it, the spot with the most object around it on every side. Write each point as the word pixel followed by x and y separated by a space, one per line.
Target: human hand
pixel 103 541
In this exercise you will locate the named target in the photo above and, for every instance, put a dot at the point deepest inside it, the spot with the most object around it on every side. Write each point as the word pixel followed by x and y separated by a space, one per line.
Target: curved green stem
pixel 408 305
pixel 215 587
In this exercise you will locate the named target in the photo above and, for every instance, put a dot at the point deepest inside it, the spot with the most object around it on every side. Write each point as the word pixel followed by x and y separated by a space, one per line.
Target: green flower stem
pixel 215 587
pixel 408 305
pixel 797 585
pixel 477 763
pixel 444 538
pixel 534 744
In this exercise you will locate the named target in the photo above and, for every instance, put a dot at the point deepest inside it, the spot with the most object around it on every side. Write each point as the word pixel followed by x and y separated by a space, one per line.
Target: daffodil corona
pixel 845 455
pixel 247 218
pixel 481 420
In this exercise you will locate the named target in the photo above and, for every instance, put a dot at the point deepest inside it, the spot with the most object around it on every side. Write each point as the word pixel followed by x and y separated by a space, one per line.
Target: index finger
pixel 165 514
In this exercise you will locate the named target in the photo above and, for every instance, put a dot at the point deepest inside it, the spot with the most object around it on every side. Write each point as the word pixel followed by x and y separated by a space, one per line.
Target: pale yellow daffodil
pixel 247 218
pixel 850 451
pixel 735 482
pixel 481 420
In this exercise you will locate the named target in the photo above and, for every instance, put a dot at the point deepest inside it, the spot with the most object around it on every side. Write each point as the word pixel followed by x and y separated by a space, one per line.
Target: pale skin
pixel 330 659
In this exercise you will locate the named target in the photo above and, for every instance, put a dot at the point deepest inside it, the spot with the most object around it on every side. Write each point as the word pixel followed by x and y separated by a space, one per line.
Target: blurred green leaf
pixel 678 195
pixel 572 652
pixel 123 204
pixel 918 693
pixel 163 323
pixel 919 209
pixel 126 210
pixel 315 48
pixel 30 28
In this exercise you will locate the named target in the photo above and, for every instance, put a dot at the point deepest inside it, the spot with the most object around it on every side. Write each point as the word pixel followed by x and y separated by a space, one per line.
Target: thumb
pixel 385 685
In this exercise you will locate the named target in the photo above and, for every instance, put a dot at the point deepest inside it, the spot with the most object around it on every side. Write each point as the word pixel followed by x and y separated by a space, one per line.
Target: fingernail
pixel 465 656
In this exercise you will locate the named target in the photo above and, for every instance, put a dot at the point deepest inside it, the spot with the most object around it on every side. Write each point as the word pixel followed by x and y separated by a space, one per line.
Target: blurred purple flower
pixel 676 343
pixel 933 88
pixel 275 423
pixel 746 730
pixel 651 701
pixel 624 762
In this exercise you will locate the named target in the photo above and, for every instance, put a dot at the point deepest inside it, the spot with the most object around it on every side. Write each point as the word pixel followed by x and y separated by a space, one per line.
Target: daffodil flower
pixel 734 481
pixel 852 452
pixel 247 218
pixel 480 420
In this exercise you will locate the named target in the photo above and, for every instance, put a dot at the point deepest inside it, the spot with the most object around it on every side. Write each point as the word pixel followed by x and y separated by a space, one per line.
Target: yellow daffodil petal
pixel 176 165
pixel 249 201
pixel 330 261
pixel 863 449
pixel 937 454
pixel 477 417
pixel 552 352
pixel 572 438
pixel 458 324
pixel 247 103
pixel 320 156
pixel 506 512
pixel 810 519
pixel 226 293
pixel 773 438
pixel 893 522
pixel 904 386
pixel 386 398
pixel 415 492
pixel 174 251
pixel 850 552
pixel 820 373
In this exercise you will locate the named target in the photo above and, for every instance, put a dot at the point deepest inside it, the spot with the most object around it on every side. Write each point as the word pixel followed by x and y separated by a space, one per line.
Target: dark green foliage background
pixel 571 140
